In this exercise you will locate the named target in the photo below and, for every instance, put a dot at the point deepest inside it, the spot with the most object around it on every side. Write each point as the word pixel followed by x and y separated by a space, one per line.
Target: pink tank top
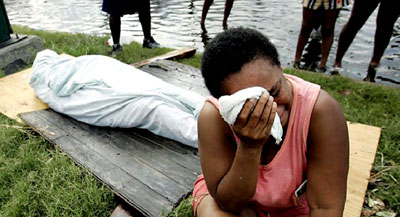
pixel 278 180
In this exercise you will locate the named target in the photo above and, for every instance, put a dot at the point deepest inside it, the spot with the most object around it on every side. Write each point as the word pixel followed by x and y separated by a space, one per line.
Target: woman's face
pixel 260 72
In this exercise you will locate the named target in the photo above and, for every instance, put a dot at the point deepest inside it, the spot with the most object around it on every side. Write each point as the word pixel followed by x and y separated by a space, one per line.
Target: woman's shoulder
pixel 211 123
pixel 328 116
pixel 209 116
pixel 325 105
pixel 208 112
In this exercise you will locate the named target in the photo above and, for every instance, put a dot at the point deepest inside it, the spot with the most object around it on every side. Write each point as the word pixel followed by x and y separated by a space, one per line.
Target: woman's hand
pixel 253 124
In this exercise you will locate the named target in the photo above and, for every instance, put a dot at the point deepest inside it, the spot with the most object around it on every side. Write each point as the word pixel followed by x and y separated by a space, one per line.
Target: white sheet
pixel 103 91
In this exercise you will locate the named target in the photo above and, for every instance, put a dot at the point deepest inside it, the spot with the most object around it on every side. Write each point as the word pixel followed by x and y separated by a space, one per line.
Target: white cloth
pixel 231 105
pixel 102 91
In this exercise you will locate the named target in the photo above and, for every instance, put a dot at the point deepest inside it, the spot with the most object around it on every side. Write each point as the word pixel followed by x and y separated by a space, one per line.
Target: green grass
pixel 82 44
pixel 37 180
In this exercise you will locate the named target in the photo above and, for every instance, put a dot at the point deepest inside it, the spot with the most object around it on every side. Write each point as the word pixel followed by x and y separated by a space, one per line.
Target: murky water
pixel 175 23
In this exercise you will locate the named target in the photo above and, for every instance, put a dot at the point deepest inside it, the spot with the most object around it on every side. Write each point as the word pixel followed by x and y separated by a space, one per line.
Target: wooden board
pixel 184 76
pixel 176 54
pixel 16 96
pixel 363 144
pixel 364 141
pixel 149 172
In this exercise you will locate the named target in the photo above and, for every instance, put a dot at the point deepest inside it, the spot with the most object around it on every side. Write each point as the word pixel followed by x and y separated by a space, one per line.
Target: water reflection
pixel 176 23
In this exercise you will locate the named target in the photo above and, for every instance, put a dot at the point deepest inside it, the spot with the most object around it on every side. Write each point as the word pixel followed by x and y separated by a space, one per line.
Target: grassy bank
pixel 37 180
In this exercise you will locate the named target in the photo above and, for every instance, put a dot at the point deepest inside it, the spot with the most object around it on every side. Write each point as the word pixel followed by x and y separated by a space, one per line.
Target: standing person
pixel 227 11
pixel 388 13
pixel 244 171
pixel 118 8
pixel 315 12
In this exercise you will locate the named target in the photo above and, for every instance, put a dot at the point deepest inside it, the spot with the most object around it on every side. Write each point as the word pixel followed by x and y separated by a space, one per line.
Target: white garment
pixel 231 105
pixel 102 91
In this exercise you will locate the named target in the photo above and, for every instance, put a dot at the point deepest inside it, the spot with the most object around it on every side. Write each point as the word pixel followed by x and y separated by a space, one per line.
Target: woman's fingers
pixel 257 114
pixel 243 116
pixel 267 130
pixel 262 123
pixel 253 124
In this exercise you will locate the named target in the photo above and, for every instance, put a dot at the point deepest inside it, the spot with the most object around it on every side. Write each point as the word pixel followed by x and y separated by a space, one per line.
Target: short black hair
pixel 229 51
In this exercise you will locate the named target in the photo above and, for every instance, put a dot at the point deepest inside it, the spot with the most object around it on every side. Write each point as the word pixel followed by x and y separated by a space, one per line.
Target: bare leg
pixel 388 13
pixel 305 31
pixel 145 19
pixel 206 6
pixel 228 8
pixel 115 27
pixel 359 15
pixel 387 16
pixel 208 207
pixel 327 29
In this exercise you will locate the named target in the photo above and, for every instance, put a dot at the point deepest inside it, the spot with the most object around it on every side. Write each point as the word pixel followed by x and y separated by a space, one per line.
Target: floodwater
pixel 175 23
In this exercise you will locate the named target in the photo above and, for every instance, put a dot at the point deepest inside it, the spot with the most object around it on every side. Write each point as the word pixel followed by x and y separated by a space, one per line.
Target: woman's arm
pixel 231 172
pixel 328 158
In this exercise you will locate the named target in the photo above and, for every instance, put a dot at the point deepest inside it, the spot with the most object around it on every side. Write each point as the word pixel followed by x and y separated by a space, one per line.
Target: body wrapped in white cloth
pixel 102 91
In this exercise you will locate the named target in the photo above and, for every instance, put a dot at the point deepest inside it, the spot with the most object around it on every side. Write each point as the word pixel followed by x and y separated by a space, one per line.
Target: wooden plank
pixel 112 140
pixel 148 176
pixel 180 163
pixel 364 141
pixel 17 96
pixel 176 54
pixel 187 157
pixel 138 195
pixel 178 74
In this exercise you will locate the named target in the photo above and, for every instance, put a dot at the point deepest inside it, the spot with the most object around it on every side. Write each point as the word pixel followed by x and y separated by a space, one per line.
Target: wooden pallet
pixel 149 172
